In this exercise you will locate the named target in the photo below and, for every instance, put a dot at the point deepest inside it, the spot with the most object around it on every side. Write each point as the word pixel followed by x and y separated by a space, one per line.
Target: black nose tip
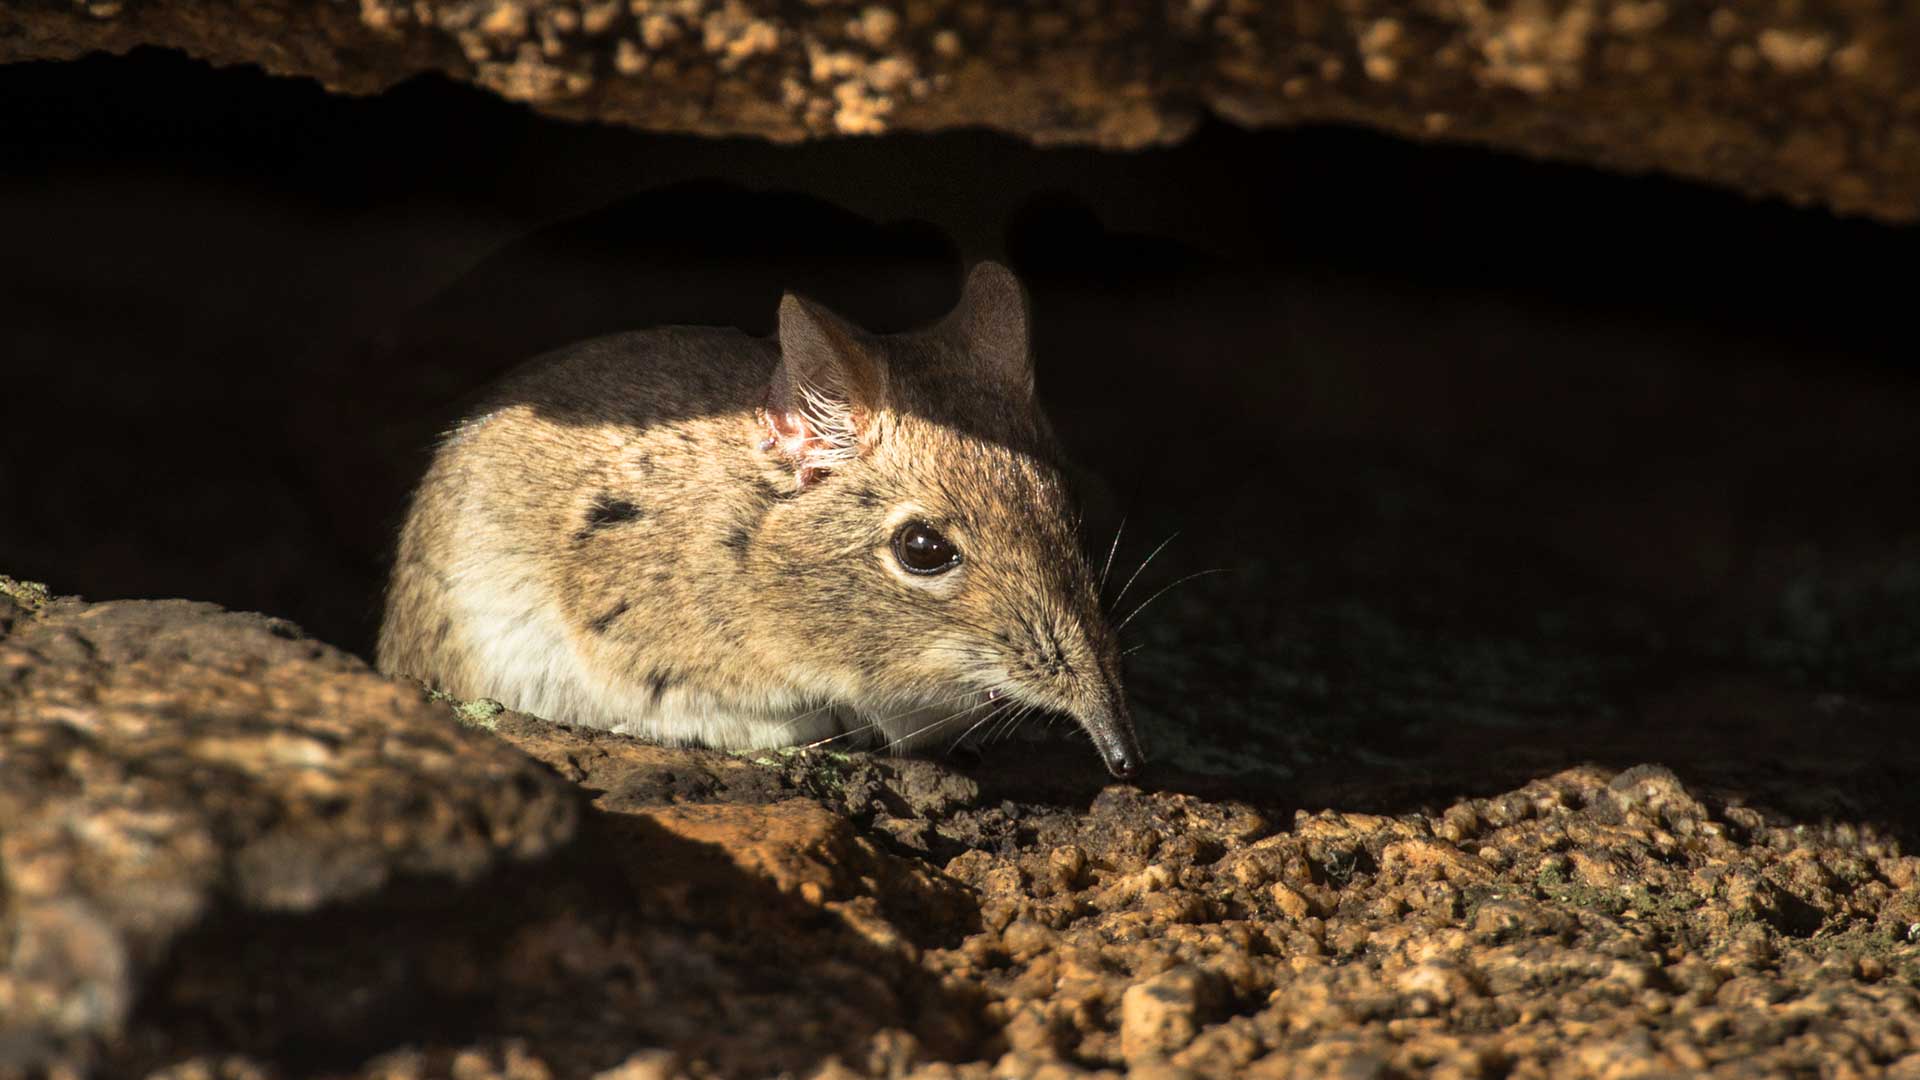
pixel 1112 734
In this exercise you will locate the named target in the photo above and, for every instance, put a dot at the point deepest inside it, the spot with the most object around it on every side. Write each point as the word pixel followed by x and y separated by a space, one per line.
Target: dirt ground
pixel 1591 922
pixel 829 914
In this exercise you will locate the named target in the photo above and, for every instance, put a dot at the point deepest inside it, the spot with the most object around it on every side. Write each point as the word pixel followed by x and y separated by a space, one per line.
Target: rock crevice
pixel 1817 105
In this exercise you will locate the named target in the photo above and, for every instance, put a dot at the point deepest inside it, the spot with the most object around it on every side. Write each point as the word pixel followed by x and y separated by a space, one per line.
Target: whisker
pixel 818 743
pixel 925 728
pixel 976 724
pixel 1163 592
pixel 877 721
pixel 993 732
pixel 1143 565
pixel 810 712
pixel 1112 551
pixel 1013 722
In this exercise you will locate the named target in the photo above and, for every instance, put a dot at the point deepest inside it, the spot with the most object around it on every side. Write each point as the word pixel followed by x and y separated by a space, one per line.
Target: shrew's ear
pixel 829 384
pixel 993 324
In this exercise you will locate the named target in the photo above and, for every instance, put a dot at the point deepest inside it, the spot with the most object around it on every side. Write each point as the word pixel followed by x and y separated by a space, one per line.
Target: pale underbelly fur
pixel 525 658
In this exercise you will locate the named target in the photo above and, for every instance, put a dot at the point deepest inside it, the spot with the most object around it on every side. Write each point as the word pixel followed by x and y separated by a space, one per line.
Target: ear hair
pixel 825 391
pixel 993 324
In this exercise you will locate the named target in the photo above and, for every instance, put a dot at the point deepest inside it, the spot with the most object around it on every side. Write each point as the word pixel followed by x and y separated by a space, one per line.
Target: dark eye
pixel 922 550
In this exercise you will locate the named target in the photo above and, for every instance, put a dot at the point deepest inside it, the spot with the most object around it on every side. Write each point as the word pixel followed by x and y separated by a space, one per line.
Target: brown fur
pixel 687 533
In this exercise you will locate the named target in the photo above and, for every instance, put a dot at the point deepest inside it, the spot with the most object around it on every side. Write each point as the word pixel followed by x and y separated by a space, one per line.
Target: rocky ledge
pixel 229 851
pixel 1816 103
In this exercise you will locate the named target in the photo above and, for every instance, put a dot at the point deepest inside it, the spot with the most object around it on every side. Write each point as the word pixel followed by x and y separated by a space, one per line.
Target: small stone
pixel 506 21
pixel 1907 1068
pixel 1164 1013
pixel 645 1065
pixel 1159 1070
pixel 876 26
pixel 1794 52
pixel 1031 1031
pixel 1290 903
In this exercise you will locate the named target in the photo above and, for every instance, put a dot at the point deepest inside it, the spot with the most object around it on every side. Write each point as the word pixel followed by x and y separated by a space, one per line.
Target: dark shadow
pixel 699 253
pixel 634 937
pixel 1798 756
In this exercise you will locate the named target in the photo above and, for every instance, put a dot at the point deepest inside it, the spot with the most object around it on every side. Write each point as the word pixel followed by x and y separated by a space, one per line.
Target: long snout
pixel 1112 732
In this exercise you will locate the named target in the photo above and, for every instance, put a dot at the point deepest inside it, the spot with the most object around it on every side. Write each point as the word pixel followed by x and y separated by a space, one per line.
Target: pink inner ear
pixel 787 432
pixel 792 437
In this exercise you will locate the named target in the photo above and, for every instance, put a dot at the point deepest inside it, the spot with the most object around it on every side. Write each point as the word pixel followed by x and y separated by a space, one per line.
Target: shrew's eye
pixel 922 550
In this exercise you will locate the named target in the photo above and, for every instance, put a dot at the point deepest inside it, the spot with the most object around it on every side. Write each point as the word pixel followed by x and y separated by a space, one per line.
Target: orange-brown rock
pixel 162 762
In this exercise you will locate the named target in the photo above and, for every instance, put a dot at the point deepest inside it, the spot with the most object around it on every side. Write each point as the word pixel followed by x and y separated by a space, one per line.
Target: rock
pixel 162 762
pixel 645 1065
pixel 1432 986
pixel 802 852
pixel 1907 1068
pixel 1163 1014
pixel 1290 903
pixel 1159 1070
pixel 625 774
pixel 1809 105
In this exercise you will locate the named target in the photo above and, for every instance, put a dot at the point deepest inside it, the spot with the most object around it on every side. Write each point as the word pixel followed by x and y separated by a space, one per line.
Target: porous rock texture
pixel 163 764
pixel 1814 102
pixel 233 852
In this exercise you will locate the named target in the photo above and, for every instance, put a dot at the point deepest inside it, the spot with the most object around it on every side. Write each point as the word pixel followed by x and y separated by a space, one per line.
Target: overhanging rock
pixel 1815 102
